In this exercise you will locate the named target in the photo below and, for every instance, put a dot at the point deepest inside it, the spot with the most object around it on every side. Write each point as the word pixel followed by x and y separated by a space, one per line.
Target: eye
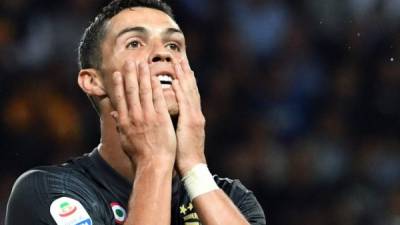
pixel 173 47
pixel 133 44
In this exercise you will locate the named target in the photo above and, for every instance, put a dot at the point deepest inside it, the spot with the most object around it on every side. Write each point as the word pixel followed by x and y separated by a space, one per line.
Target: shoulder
pixel 37 190
pixel 50 180
pixel 39 181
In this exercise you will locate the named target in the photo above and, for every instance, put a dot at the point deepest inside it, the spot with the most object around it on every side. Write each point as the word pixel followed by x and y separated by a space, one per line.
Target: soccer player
pixel 149 167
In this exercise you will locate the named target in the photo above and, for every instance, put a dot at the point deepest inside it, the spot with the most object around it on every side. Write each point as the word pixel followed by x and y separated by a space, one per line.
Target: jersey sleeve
pixel 252 210
pixel 42 197
pixel 244 199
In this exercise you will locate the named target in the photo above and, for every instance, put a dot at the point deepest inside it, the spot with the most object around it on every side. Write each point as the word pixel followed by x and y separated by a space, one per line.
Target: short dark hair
pixel 89 52
pixel 90 44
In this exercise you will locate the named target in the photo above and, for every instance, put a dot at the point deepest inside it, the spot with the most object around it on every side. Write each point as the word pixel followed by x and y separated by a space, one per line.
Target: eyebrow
pixel 171 31
pixel 132 29
pixel 144 31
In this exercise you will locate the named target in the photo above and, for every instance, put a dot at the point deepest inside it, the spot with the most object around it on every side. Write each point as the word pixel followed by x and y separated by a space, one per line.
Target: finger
pixel 187 81
pixel 114 115
pixel 180 97
pixel 145 92
pixel 119 95
pixel 132 87
pixel 160 105
pixel 180 74
pixel 188 85
pixel 184 63
pixel 185 66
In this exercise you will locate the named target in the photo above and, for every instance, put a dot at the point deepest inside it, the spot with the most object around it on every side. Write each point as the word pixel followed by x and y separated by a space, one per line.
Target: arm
pixel 151 195
pixel 148 138
pixel 213 207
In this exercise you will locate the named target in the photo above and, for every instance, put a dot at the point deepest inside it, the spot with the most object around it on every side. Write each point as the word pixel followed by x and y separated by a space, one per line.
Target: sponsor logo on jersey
pixel 68 211
pixel 119 212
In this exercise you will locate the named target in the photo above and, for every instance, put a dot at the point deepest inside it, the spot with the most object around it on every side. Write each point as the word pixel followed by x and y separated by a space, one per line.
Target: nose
pixel 160 56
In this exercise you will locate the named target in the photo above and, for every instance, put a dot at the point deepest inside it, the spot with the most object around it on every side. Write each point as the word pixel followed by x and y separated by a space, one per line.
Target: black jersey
pixel 87 191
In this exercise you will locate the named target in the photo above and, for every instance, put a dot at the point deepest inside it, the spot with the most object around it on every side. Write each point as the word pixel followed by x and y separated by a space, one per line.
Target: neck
pixel 110 148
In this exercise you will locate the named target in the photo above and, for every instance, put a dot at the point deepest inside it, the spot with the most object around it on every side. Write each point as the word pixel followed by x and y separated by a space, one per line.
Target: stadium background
pixel 302 99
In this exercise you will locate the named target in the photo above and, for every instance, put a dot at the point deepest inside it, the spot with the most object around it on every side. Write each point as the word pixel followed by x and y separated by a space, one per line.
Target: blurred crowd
pixel 302 99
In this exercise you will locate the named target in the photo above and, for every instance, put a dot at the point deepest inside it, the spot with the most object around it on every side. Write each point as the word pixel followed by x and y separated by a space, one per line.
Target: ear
pixel 91 83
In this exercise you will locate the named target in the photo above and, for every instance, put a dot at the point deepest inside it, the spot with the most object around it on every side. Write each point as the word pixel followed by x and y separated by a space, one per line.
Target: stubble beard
pixel 173 109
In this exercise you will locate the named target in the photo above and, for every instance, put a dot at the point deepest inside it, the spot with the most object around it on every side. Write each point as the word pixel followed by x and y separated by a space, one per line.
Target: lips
pixel 165 80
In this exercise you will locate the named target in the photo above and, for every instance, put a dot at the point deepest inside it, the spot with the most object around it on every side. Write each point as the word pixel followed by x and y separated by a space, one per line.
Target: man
pixel 135 70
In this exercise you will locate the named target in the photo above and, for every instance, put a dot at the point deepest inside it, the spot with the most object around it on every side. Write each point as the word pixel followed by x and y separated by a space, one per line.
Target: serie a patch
pixel 68 211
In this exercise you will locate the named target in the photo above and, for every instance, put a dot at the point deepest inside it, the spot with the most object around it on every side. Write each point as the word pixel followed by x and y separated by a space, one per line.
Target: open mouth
pixel 165 80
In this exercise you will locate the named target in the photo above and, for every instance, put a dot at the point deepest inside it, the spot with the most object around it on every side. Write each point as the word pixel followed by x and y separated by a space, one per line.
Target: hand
pixel 145 127
pixel 191 122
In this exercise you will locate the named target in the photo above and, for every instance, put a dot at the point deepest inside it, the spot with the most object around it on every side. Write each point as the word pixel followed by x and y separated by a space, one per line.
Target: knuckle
pixel 201 121
pixel 118 96
pixel 135 117
pixel 138 119
pixel 131 114
pixel 148 118
pixel 135 107
pixel 130 90
pixel 163 119
pixel 116 79
pixel 145 91
pixel 123 124
pixel 198 121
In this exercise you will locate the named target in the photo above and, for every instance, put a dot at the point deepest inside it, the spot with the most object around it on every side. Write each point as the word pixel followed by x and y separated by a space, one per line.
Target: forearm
pixel 211 204
pixel 216 208
pixel 150 201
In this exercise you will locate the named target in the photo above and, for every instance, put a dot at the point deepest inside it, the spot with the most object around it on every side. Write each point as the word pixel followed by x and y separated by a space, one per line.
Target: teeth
pixel 165 78
pixel 165 86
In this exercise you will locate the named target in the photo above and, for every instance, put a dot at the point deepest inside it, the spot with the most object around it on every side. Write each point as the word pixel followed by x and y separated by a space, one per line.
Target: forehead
pixel 149 18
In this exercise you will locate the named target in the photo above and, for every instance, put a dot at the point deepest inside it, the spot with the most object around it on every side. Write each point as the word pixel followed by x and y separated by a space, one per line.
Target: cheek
pixel 107 82
pixel 116 58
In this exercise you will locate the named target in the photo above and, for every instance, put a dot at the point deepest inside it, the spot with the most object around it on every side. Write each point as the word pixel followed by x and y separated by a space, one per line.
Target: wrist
pixel 184 166
pixel 155 164
pixel 199 181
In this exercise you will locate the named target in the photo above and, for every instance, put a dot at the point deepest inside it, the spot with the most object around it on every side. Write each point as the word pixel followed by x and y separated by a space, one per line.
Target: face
pixel 144 35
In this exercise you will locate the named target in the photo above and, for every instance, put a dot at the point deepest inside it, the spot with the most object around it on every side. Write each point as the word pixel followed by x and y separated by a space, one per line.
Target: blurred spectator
pixel 261 25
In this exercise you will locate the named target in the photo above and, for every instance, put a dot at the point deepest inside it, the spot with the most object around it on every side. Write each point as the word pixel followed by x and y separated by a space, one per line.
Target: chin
pixel 173 107
pixel 173 111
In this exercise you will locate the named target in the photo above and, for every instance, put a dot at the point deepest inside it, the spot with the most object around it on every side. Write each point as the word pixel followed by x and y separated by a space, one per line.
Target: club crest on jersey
pixel 119 212
pixel 188 214
pixel 68 211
